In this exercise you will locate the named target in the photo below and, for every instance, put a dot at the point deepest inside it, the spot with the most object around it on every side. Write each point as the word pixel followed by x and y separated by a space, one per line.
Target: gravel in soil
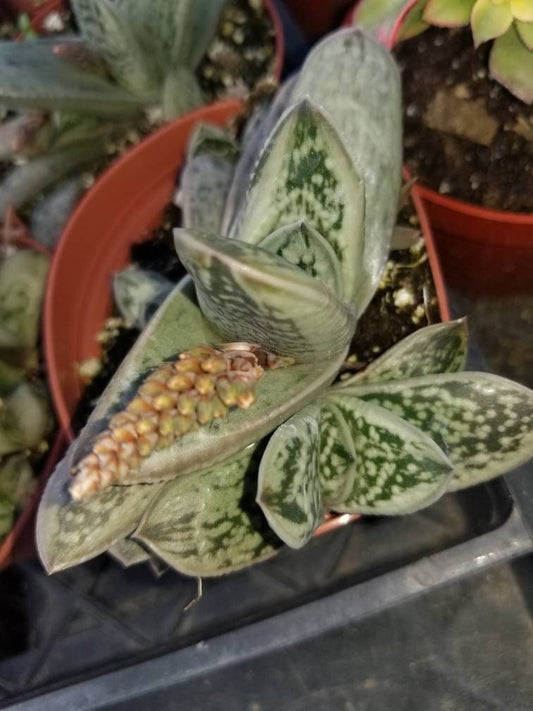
pixel 465 135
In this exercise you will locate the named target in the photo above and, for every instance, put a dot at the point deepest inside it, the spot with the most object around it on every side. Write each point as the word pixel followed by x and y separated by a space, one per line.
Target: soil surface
pixel 465 135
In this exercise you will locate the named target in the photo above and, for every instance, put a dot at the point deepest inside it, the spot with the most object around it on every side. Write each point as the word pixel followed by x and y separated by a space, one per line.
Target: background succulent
pixel 302 257
pixel 508 22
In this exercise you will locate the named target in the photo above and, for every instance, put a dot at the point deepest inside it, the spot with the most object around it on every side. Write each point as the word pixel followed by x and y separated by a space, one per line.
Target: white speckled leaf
pixel 255 296
pixel 399 469
pixel 128 552
pixel 303 246
pixel 337 459
pixel 356 81
pixel 138 293
pixel 305 173
pixel 482 421
pixel 288 486
pixel 441 348
pixel 207 523
pixel 69 533
pixel 107 32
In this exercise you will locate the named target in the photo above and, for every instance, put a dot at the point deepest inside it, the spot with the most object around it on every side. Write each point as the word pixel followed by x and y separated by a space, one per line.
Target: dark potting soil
pixel 242 53
pixel 465 135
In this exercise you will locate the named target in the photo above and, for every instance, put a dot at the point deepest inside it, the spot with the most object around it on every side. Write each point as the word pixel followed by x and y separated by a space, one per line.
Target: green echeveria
pixel 306 248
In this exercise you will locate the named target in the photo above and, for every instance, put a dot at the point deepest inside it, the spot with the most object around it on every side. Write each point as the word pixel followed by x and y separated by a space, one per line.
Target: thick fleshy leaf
pixel 70 532
pixel 450 13
pixel 305 173
pixel 128 552
pixel 50 215
pixel 257 129
pixel 356 81
pixel 490 20
pixel 138 293
pixel 482 421
pixel 107 32
pixel 33 77
pixel 511 64
pixel 177 326
pixel 337 459
pixel 195 26
pixel 288 486
pixel 181 93
pixel 414 23
pixel 441 348
pixel 303 246
pixel 255 296
pixel 205 181
pixel 522 10
pixel 208 524
pixel 525 32
pixel 399 469
pixel 378 16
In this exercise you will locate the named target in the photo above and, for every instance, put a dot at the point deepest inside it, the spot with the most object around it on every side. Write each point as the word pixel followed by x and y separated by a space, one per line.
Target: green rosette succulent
pixel 222 436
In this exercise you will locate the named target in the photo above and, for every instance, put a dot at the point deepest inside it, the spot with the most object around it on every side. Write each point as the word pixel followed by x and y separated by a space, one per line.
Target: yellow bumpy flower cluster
pixel 175 399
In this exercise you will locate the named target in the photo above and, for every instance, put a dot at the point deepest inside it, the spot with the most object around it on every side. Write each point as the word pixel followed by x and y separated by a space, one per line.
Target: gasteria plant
pixel 133 62
pixel 221 436
pixel 508 22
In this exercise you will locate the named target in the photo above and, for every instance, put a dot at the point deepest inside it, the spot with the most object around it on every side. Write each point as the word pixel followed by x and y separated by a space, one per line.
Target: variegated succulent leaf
pixel 70 532
pixel 255 296
pixel 337 458
pixel 288 485
pixel 176 327
pixel 181 93
pixel 105 27
pixel 440 348
pixel 305 173
pixel 34 77
pixel 128 552
pixel 449 13
pixel 302 245
pixel 206 178
pixel 511 64
pixel 483 422
pixel 138 293
pixel 207 524
pixel 356 82
pixel 195 24
pixel 399 469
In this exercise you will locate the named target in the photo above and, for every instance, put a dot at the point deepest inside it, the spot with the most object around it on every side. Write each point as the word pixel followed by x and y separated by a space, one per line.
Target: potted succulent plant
pixel 469 155
pixel 88 97
pixel 221 435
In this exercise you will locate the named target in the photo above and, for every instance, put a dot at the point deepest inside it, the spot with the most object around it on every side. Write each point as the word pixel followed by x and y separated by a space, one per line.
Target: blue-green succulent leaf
pixel 288 486
pixel 399 469
pixel 482 421
pixel 440 348
pixel 337 459
pixel 305 173
pixel 303 246
pixel 356 82
pixel 207 523
pixel 181 93
pixel 255 296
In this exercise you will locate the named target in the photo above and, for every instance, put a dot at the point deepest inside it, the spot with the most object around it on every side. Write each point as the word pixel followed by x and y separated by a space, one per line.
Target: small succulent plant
pixel 132 64
pixel 221 435
pixel 508 22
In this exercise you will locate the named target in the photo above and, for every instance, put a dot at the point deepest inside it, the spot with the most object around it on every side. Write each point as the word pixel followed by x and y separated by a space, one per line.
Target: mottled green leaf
pixel 511 64
pixel 17 480
pixel 288 486
pixel 177 326
pixel 440 348
pixel 303 246
pixel 181 93
pixel 337 459
pixel 356 81
pixel 25 418
pixel 107 32
pixel 489 20
pixel 399 469
pixel 208 523
pixel 33 77
pixel 482 421
pixel 206 179
pixel 305 173
pixel 196 22
pixel 69 532
pixel 137 294
pixel 450 13
pixel 255 296
pixel 525 32
pixel 128 552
